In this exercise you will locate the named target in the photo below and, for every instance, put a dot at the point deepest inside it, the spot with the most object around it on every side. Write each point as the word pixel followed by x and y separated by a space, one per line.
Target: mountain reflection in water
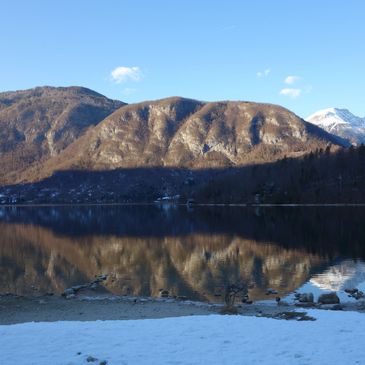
pixel 190 252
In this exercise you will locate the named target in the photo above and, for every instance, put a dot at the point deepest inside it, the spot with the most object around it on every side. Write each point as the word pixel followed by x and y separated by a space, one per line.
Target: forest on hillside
pixel 322 176
pixel 319 177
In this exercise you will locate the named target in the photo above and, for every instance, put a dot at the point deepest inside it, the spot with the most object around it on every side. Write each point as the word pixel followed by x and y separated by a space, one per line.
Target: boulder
pixel 329 298
pixel 306 298
pixel 351 291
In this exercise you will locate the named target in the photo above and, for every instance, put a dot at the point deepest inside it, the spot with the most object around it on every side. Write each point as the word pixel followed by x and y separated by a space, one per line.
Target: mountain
pixel 39 123
pixel 75 145
pixel 340 122
pixel 184 133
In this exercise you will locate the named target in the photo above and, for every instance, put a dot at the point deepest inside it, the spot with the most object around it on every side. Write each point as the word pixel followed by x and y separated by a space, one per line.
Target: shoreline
pixel 247 205
pixel 185 204
pixel 19 309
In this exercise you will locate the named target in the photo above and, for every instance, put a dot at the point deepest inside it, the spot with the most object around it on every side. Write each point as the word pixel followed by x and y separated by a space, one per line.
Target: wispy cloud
pixel 264 73
pixel 290 80
pixel 123 74
pixel 292 93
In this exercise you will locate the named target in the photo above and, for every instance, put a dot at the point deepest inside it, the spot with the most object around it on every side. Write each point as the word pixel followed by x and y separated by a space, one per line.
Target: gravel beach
pixel 18 309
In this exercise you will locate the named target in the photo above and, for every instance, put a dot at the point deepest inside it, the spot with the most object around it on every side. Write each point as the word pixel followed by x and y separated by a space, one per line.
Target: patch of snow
pixel 332 116
pixel 334 338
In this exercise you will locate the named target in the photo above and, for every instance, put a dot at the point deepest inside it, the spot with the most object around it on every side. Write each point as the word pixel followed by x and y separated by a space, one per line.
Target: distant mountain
pixel 39 123
pixel 340 122
pixel 184 133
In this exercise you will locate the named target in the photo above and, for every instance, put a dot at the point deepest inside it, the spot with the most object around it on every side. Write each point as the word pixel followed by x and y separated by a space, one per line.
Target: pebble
pixel 68 291
pixel 164 293
pixel 270 291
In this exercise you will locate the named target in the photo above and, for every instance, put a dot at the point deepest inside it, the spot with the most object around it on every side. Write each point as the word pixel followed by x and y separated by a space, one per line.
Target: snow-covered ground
pixel 334 338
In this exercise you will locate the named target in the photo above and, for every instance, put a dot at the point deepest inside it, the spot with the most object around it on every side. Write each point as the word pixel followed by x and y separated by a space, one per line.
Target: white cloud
pixel 292 79
pixel 264 73
pixel 122 74
pixel 292 93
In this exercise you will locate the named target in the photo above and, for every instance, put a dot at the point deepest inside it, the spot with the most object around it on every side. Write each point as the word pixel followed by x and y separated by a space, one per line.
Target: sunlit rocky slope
pixel 49 129
pixel 39 123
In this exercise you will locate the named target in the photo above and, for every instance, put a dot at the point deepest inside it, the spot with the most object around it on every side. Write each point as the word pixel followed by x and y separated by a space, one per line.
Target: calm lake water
pixel 191 252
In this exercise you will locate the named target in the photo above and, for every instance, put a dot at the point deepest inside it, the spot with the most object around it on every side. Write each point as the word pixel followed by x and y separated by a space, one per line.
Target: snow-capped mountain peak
pixel 340 122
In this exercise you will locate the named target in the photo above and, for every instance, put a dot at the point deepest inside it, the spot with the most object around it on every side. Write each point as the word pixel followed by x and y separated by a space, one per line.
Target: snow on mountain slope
pixel 340 122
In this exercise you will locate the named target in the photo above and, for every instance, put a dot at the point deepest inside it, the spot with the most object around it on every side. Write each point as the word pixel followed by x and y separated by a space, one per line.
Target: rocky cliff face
pixel 48 129
pixel 177 132
pixel 39 123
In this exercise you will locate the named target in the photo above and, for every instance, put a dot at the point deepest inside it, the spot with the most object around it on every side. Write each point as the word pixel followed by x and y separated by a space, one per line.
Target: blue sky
pixel 208 50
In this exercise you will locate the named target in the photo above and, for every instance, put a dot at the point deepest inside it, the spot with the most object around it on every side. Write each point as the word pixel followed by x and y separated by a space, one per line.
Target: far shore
pixel 18 309
pixel 248 205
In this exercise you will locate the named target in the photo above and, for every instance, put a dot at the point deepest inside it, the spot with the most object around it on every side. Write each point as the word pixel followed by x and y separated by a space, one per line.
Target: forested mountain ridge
pixel 74 145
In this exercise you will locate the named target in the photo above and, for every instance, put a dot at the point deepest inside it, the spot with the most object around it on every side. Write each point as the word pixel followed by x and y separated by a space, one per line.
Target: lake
pixel 191 252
